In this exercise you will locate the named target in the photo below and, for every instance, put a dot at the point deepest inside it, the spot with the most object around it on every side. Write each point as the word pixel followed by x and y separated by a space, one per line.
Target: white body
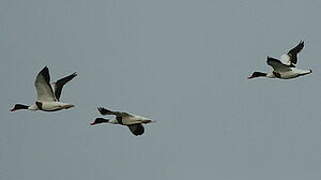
pixel 285 68
pixel 50 106
pixel 293 73
pixel 131 119
pixel 47 94
pixel 133 122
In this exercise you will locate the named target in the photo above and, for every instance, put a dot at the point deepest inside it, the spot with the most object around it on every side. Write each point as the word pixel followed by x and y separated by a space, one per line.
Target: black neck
pixel 258 74
pixel 101 120
pixel 20 106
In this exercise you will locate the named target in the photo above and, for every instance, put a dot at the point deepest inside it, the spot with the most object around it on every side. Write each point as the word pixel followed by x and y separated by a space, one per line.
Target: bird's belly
pixel 288 75
pixel 51 106
pixel 131 121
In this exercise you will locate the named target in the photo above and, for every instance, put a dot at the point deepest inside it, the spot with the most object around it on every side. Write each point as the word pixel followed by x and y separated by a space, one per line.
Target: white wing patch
pixel 285 59
pixel 43 88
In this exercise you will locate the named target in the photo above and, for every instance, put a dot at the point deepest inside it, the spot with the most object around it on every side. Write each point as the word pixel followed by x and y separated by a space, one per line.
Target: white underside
pixel 130 120
pixel 51 106
pixel 293 73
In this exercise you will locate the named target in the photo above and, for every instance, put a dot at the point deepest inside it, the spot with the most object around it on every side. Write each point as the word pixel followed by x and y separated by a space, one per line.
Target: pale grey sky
pixel 183 63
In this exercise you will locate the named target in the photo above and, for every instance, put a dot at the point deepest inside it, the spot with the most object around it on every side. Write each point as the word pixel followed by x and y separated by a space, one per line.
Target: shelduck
pixel 132 121
pixel 48 95
pixel 284 68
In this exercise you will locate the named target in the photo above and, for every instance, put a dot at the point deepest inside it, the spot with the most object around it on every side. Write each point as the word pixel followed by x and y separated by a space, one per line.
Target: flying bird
pixel 132 121
pixel 286 67
pixel 48 95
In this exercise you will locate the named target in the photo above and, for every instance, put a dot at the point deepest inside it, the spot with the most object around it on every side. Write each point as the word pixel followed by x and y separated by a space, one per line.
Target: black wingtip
pixel 45 73
pixel 100 109
pixel 74 74
pixel 105 111
pixel 45 68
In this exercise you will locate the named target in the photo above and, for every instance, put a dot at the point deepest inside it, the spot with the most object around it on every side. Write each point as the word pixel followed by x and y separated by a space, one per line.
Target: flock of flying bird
pixel 48 99
pixel 48 94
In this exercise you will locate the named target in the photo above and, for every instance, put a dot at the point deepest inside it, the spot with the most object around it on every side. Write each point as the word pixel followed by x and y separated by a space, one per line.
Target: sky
pixel 182 63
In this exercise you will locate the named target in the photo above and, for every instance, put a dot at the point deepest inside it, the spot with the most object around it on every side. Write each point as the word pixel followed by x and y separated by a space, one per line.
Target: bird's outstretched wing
pixel 277 65
pixel 58 85
pixel 291 58
pixel 43 87
pixel 105 111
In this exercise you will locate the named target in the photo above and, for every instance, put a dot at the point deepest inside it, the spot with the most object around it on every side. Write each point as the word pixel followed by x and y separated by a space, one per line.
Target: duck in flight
pixel 132 121
pixel 286 67
pixel 48 95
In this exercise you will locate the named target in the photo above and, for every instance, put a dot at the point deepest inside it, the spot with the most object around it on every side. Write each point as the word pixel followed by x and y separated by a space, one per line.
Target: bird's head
pixel 256 74
pixel 18 107
pixel 99 121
